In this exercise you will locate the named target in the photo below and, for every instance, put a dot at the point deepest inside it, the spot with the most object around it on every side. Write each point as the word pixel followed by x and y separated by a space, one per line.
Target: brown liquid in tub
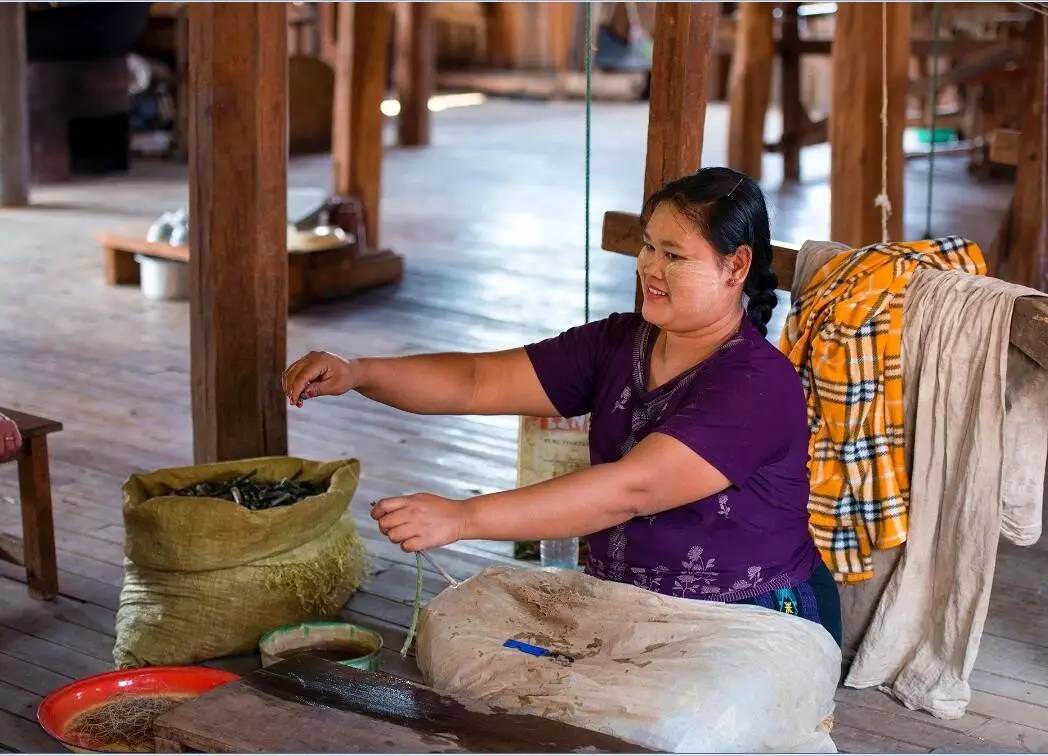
pixel 335 650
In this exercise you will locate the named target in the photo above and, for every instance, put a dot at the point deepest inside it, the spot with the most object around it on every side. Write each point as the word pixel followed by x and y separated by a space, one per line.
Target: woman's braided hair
pixel 728 209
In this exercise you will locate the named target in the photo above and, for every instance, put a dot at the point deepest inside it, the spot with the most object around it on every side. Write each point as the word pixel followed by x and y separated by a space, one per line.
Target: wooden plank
pixel 560 24
pixel 51 656
pixel 26 736
pixel 18 701
pixel 855 125
pixel 38 527
pixel 1022 661
pixel 750 87
pixel 1009 687
pixel 132 245
pixel 416 68
pixel 925 734
pixel 855 740
pixel 875 700
pixel 615 86
pixel 27 676
pixel 342 109
pixel 238 195
pixel 31 425
pixel 1014 737
pixel 1018 712
pixel 372 27
pixel 11 550
pixel 1021 254
pixel 14 108
pixel 277 711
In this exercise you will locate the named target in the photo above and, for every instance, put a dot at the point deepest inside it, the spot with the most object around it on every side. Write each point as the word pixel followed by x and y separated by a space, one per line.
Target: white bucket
pixel 163 279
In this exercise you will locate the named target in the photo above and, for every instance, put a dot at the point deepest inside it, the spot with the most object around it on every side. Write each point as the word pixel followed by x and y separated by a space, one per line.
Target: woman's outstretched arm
pixel 493 383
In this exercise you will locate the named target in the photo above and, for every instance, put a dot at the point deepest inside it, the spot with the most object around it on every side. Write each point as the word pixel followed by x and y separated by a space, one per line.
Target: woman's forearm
pixel 437 384
pixel 572 505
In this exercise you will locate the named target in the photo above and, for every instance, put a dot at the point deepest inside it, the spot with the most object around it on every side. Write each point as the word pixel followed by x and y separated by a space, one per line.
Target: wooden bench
pixel 36 550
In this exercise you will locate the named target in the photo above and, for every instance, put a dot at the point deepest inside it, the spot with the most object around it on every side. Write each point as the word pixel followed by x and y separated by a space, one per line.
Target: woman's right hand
pixel 10 438
pixel 318 374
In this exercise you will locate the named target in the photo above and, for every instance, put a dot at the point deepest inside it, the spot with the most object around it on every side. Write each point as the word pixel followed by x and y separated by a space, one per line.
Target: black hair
pixel 728 209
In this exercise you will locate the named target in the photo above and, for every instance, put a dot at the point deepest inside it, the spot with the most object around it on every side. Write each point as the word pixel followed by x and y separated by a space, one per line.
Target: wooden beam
pixel 237 198
pixel 1022 256
pixel 416 70
pixel 796 124
pixel 677 107
pixel 14 108
pixel 342 99
pixel 750 87
pixel 1029 329
pixel 372 28
pixel 855 123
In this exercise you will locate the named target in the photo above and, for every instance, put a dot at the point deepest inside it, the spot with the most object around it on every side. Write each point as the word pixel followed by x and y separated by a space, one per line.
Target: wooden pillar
pixel 1021 254
pixel 342 100
pixel 238 145
pixel 677 108
pixel 855 120
pixel 14 108
pixel 416 71
pixel 327 22
pixel 372 30
pixel 683 40
pixel 750 87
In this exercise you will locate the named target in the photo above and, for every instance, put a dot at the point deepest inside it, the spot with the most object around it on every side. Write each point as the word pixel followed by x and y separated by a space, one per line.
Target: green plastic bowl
pixel 341 642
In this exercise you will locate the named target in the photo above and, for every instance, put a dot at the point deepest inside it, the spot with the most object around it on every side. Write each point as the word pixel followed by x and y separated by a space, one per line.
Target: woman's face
pixel 687 284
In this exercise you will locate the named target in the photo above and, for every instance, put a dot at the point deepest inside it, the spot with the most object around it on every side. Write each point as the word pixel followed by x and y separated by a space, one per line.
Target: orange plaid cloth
pixel 844 335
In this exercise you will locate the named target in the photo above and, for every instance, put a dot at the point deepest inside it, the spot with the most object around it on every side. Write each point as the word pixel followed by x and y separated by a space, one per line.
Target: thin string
pixel 882 200
pixel 589 102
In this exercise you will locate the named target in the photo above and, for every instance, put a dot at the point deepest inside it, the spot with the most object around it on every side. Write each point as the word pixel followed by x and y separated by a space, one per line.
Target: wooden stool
pixel 36 552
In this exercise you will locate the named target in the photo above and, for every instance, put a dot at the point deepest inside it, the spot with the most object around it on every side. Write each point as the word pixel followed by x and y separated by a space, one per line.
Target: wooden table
pixel 36 551
pixel 308 705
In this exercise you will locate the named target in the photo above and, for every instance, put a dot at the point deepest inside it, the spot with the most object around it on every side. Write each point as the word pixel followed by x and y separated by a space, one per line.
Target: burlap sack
pixel 207 577
pixel 166 532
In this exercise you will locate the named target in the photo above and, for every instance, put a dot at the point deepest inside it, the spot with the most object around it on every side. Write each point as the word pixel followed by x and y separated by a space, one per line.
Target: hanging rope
pixel 589 103
pixel 882 201
pixel 933 100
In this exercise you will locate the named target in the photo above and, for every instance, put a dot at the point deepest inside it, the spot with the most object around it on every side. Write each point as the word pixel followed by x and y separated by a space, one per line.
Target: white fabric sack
pixel 667 673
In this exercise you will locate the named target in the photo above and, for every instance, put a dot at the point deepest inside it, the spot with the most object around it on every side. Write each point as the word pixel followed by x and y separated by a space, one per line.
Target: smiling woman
pixel 699 437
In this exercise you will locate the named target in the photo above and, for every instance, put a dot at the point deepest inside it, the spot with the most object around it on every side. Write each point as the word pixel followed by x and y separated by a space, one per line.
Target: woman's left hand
pixel 421 521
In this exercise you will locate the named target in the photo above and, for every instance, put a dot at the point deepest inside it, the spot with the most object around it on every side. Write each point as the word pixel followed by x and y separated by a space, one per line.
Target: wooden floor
pixel 490 221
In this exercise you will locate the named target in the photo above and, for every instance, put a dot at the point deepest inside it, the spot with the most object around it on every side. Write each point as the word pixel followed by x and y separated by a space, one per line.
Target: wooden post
pixel 238 145
pixel 750 87
pixel 683 39
pixel 372 27
pixel 342 106
pixel 855 120
pixel 677 109
pixel 14 108
pixel 1021 253
pixel 416 70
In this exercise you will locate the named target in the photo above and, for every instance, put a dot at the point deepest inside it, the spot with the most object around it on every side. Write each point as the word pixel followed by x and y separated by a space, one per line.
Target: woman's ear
pixel 741 261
